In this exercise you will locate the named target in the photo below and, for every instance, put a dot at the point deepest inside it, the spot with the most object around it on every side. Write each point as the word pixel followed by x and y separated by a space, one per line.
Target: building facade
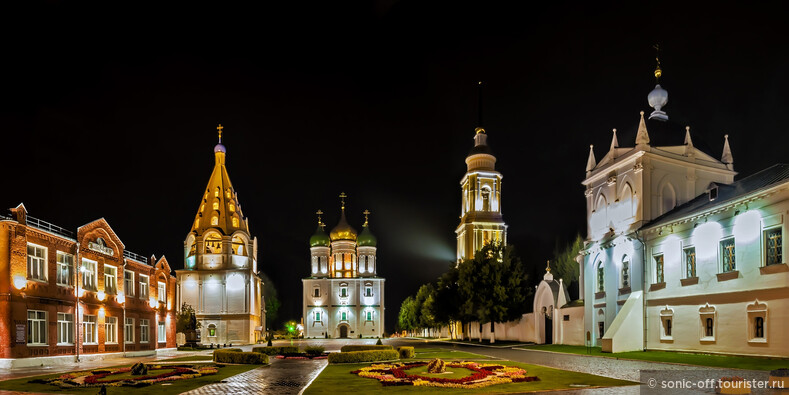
pixel 679 255
pixel 70 296
pixel 220 279
pixel 344 296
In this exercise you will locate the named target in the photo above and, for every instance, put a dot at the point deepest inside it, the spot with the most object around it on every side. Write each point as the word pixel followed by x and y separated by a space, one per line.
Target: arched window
pixel 197 222
pixel 625 271
pixel 626 201
pixel 668 198
pixel 216 205
pixel 231 207
pixel 215 220
pixel 238 245
pixel 213 244
pixel 485 199
pixel 600 277
pixel 202 207
pixel 235 222
pixel 212 330
pixel 216 192
pixel 759 327
pixel 707 314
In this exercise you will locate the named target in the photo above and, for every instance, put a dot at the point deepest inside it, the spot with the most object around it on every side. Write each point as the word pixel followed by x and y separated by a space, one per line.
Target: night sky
pixel 112 112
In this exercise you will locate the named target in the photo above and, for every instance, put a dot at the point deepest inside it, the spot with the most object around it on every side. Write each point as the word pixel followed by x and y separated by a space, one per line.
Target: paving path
pixel 281 377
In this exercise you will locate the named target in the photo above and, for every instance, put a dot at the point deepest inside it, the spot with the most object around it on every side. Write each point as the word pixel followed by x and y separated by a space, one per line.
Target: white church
pixel 679 255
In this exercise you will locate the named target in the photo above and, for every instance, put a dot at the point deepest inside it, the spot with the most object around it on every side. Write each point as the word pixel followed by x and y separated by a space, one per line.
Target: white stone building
pixel 679 255
pixel 219 279
pixel 343 297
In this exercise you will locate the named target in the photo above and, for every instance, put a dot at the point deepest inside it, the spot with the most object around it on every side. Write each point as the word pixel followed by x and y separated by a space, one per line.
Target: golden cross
pixel 366 213
pixel 219 128
pixel 342 199
pixel 319 212
pixel 548 268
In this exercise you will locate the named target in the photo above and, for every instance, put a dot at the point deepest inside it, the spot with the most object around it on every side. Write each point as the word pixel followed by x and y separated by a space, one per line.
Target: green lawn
pixel 720 361
pixel 174 387
pixel 337 379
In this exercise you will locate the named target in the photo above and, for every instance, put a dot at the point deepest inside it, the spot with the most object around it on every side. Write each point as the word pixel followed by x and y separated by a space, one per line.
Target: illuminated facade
pixel 80 296
pixel 679 256
pixel 480 212
pixel 343 297
pixel 219 279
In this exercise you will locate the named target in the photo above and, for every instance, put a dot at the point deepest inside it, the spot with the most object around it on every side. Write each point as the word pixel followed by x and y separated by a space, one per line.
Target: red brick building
pixel 65 297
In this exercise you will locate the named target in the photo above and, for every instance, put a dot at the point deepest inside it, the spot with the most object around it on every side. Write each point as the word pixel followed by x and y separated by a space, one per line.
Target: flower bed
pixel 98 378
pixel 396 374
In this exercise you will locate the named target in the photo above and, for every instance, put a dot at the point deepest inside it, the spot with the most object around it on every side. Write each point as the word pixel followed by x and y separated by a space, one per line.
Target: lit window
pixel 89 329
pixel 659 269
pixel 143 286
pixel 65 268
pixel 213 244
pixel 728 255
pixel 202 207
pixel 369 315
pixel 231 207
pixel 36 262
pixel 111 329
pixel 162 334
pixel 214 220
pixel 343 292
pixel 216 205
pixel 368 291
pixel 317 316
pixel 128 283
pixel 128 330
pixel 238 242
pixel 216 192
pixel 486 199
pixel 65 328
pixel 36 327
pixel 197 222
pixel 690 262
pixel 89 274
pixel 343 316
pixel 145 331
pixel 600 277
pixel 227 193
pixel 161 292
pixel 774 246
pixel 110 279
pixel 235 222
pixel 212 330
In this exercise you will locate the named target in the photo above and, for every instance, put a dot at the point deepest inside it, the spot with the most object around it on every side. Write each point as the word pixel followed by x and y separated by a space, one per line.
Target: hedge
pixel 406 352
pixel 229 356
pixel 275 350
pixel 362 356
pixel 364 347
pixel 314 350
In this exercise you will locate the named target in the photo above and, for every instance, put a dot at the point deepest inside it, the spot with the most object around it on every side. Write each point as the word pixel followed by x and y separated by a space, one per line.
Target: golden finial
pixel 219 128
pixel 548 268
pixel 366 219
pixel 342 199
pixel 320 222
pixel 658 71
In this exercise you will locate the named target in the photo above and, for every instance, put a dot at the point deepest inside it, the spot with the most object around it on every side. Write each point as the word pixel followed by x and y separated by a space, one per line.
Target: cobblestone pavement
pixel 282 377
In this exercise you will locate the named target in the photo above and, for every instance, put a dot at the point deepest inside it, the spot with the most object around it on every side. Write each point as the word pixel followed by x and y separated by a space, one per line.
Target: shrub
pixel 362 356
pixel 436 366
pixel 289 350
pixel 234 349
pixel 406 352
pixel 314 350
pixel 276 350
pixel 379 342
pixel 227 356
pixel 365 347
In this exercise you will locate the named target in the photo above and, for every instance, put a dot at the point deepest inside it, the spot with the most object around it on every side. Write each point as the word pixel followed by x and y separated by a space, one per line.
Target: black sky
pixel 111 112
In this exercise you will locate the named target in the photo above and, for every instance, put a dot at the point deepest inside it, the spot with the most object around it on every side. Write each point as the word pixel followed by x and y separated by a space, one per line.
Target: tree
pixel 424 307
pixel 407 317
pixel 186 320
pixel 447 300
pixel 272 309
pixel 564 266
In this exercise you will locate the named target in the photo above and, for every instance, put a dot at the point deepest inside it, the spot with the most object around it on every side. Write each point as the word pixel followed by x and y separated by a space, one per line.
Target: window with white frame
pixel 690 261
pixel 773 246
pixel 162 335
pixel 143 286
pixel 145 331
pixel 36 327
pixel 343 292
pixel 728 256
pixel 128 330
pixel 65 328
pixel 757 322
pixel 666 324
pixel 128 282
pixel 89 329
pixel 36 262
pixel 659 269
pixel 708 322
pixel 161 293
pixel 65 269
pixel 110 279
pixel 89 274
pixel 110 329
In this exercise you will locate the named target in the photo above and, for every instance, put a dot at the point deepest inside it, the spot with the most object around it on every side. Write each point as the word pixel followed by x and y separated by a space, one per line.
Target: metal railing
pixel 44 225
pixel 136 257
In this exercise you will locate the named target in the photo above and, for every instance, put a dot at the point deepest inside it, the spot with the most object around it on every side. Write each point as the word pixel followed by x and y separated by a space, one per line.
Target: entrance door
pixel 548 330
pixel 343 331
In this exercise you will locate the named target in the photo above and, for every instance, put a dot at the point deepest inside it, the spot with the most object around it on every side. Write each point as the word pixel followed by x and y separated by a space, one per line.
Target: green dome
pixel 320 238
pixel 366 238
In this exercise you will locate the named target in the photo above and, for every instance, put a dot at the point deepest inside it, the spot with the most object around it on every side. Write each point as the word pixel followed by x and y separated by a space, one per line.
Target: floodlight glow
pixel 121 297
pixel 705 238
pixel 100 295
pixel 152 302
pixel 747 226
pixel 20 282
pixel 235 282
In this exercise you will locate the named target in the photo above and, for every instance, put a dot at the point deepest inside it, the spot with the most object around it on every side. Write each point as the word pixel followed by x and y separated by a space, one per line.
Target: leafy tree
pixel 447 300
pixel 407 318
pixel 564 265
pixel 424 306
pixel 272 310
pixel 185 319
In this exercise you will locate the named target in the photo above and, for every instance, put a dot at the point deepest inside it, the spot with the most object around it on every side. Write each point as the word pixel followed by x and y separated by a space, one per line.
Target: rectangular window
pixel 36 327
pixel 659 269
pixel 128 330
pixel 111 329
pixel 162 334
pixel 143 286
pixel 758 330
pixel 773 242
pixel 161 293
pixel 65 269
pixel 316 293
pixel 65 328
pixel 600 329
pixel 368 291
pixel 36 262
pixel 317 316
pixel 343 292
pixel 110 279
pixel 727 255
pixel 369 315
pixel 145 331
pixel 343 316
pixel 89 329
pixel 690 262
pixel 128 283
pixel 88 274
pixel 709 327
pixel 668 326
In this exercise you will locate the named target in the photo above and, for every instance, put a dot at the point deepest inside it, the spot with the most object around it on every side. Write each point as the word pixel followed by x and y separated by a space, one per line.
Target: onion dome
pixel 343 231
pixel 366 238
pixel 658 98
pixel 320 238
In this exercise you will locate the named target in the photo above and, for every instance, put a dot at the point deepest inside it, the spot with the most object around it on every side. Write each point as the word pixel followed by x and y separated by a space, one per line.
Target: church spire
pixel 726 157
pixel 591 162
pixel 643 136
pixel 343 231
pixel 658 98
pixel 688 142
pixel 480 136
pixel 614 145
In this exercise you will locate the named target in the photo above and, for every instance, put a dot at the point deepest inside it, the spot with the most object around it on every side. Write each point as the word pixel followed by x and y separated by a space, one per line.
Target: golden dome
pixel 343 231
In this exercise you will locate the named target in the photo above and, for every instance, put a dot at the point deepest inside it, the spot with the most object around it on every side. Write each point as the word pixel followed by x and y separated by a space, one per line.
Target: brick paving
pixel 281 377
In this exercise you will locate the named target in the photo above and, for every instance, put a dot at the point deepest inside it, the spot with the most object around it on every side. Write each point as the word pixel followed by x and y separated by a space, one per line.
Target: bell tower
pixel 481 221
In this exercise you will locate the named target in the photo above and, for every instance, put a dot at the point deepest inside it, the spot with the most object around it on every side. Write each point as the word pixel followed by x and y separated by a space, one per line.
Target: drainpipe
pixel 644 289
pixel 76 304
